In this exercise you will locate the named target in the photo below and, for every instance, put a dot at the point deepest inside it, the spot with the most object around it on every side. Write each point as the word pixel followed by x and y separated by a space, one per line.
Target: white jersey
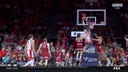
pixel 29 45
pixel 87 38
pixel 30 51
pixel 91 26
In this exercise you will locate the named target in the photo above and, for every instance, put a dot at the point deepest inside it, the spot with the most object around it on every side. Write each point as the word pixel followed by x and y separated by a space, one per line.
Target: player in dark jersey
pixel 99 46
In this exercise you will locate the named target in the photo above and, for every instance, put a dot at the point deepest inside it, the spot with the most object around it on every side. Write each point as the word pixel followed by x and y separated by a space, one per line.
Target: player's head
pixel 78 35
pixel 126 36
pixel 44 39
pixel 83 16
pixel 99 36
pixel 31 36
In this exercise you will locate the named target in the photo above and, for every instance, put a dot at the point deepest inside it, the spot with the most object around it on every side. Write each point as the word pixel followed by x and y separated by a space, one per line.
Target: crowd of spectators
pixel 12 50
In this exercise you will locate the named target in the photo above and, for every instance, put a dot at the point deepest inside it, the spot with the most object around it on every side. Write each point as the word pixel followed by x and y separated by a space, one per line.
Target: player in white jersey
pixel 91 27
pixel 29 51
pixel 88 39
pixel 87 36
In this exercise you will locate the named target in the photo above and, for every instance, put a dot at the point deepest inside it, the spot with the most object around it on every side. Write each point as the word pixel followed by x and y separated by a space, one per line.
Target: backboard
pixel 97 16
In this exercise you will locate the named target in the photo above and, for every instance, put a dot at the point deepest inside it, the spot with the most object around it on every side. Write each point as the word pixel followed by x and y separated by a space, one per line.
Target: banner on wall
pixel 89 59
pixel 74 33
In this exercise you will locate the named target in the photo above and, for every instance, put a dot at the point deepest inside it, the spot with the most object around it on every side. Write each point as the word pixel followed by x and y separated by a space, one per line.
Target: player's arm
pixel 75 38
pixel 83 19
pixel 49 49
pixel 95 39
pixel 39 49
pixel 83 37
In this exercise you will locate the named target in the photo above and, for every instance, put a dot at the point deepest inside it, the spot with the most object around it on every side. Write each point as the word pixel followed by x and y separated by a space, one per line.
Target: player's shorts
pixel 30 54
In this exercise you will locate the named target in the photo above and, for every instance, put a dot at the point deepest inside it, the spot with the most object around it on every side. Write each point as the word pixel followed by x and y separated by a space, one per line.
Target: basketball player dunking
pixel 88 38
pixel 30 50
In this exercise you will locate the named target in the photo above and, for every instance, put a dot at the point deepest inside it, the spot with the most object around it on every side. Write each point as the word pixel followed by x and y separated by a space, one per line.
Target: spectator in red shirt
pixel 22 42
pixel 68 58
pixel 39 40
pixel 58 43
pixel 59 57
pixel 65 42
pixel 2 53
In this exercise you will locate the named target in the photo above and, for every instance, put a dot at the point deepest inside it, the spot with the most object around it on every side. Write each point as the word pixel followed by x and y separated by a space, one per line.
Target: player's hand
pixel 83 18
pixel 95 34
